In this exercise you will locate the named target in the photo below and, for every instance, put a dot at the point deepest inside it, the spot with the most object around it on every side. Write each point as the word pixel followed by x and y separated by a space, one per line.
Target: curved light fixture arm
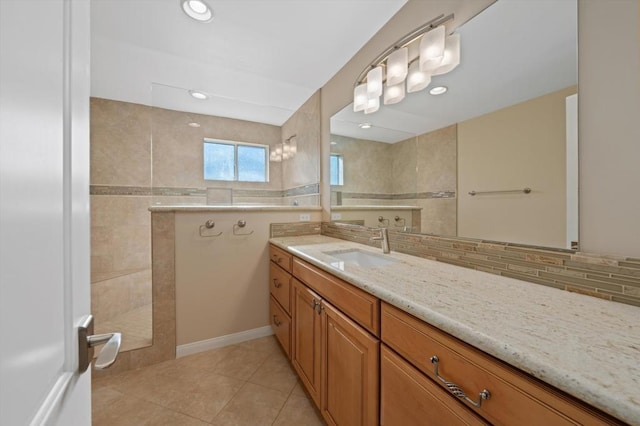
pixel 404 41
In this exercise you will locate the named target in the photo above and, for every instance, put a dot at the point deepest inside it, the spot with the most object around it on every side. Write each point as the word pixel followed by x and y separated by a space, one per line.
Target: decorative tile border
pixel 200 192
pixel 610 278
pixel 404 196
pixel 295 229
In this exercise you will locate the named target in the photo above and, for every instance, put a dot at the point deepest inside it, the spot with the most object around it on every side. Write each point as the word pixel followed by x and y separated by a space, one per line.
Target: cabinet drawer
pixel 280 257
pixel 280 286
pixel 516 398
pixel 362 307
pixel 409 398
pixel 281 325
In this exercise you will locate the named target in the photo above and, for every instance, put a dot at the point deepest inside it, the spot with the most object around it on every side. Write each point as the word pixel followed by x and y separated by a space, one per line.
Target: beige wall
pixel 609 126
pixel 512 148
pixel 221 282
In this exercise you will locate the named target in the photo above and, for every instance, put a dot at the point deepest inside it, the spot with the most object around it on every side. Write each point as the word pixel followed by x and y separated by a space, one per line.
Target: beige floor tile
pixel 299 390
pixel 299 410
pixel 207 398
pixel 165 417
pixel 102 397
pixel 125 411
pixel 275 373
pixel 240 363
pixel 267 344
pixel 253 405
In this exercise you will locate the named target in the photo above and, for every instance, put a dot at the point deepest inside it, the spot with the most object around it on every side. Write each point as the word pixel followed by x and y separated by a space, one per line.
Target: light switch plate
pixel 305 217
pixel 336 216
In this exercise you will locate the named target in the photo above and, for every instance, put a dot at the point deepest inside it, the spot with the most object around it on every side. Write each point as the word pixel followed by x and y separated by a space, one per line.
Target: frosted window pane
pixel 336 170
pixel 219 161
pixel 252 163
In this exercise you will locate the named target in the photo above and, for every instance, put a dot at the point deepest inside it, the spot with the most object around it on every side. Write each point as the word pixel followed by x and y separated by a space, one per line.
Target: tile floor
pixel 251 383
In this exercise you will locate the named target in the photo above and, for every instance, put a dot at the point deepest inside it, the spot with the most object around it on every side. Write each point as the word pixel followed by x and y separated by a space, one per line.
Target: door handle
pixel 87 341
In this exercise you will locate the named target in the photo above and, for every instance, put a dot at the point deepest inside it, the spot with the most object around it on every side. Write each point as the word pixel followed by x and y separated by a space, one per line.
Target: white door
pixel 44 210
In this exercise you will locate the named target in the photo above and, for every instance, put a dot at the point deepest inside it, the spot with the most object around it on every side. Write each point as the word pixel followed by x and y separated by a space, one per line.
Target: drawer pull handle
pixel 276 322
pixel 276 258
pixel 276 283
pixel 457 390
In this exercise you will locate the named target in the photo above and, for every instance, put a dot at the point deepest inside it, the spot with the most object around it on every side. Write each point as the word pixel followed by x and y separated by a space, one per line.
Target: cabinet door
pixel 350 364
pixel 306 338
pixel 409 398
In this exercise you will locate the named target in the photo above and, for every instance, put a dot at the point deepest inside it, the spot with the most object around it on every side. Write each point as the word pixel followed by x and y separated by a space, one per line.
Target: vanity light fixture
pixel 407 66
pixel 364 125
pixel 197 10
pixel 284 150
pixel 198 95
pixel 438 90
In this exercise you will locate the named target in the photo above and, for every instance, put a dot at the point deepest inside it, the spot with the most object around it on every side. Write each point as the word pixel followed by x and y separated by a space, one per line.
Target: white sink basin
pixel 358 257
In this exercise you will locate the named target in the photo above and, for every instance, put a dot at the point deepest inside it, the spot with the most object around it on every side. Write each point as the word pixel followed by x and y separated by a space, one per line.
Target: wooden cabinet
pixel 280 300
pixel 336 358
pixel 350 371
pixel 513 396
pixel 307 324
pixel 419 375
pixel 408 398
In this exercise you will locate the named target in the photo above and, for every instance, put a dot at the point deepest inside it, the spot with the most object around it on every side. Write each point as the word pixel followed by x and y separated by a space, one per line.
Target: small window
pixel 235 161
pixel 336 170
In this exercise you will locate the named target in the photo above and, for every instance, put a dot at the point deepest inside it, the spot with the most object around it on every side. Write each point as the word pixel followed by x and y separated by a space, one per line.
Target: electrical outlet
pixel 305 217
pixel 336 216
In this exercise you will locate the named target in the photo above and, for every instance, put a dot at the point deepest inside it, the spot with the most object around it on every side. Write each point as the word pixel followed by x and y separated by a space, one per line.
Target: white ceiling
pixel 258 59
pixel 513 51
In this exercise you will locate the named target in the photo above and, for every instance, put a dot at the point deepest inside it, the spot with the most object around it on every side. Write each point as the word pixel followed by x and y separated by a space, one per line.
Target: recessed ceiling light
pixel 198 10
pixel 193 124
pixel 198 95
pixel 364 125
pixel 438 90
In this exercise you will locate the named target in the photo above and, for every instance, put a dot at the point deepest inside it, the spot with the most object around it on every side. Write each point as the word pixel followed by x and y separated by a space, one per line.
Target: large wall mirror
pixel 493 158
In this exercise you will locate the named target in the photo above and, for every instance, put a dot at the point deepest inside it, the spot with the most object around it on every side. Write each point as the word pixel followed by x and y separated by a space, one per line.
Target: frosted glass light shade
pixel 417 80
pixel 394 94
pixel 374 82
pixel 360 97
pixel 451 58
pixel 397 66
pixel 372 105
pixel 432 49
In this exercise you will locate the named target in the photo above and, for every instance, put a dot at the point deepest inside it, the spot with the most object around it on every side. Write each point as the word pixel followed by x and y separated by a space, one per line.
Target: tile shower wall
pixel 611 278
pixel 120 222
pixel 301 174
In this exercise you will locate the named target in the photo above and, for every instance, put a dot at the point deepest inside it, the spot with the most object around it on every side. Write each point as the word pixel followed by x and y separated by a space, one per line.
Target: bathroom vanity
pixel 397 339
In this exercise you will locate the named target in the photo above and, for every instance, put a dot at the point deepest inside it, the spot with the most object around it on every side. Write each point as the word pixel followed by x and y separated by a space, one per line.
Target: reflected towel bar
pixel 506 191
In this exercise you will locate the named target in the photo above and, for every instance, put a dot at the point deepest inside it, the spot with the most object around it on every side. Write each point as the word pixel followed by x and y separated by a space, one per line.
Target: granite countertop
pixel 585 346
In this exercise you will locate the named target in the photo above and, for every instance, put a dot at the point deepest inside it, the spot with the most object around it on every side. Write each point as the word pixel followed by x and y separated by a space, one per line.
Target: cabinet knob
pixel 276 283
pixel 275 321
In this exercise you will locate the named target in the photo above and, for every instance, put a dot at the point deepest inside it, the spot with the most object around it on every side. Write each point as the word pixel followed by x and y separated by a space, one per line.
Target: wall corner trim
pixel 222 341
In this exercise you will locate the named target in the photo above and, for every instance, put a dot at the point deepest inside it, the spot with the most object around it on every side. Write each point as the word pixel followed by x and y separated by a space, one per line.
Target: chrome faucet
pixel 384 237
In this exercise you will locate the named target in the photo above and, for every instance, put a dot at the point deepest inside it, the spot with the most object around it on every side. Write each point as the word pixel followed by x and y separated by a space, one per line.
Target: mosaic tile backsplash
pixel 611 278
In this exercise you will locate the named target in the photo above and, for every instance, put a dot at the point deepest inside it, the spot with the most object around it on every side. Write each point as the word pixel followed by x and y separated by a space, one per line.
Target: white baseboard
pixel 222 341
